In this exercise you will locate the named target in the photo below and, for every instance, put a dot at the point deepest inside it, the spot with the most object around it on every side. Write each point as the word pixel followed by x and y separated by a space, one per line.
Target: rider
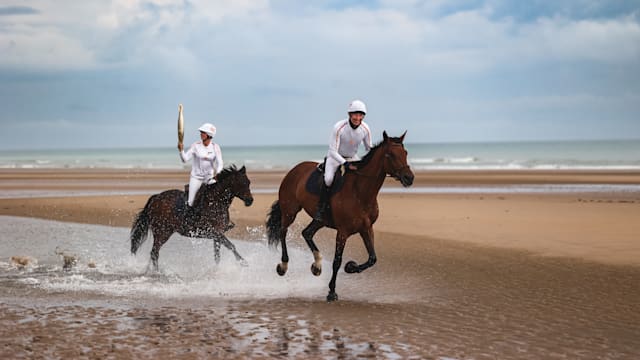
pixel 345 139
pixel 207 160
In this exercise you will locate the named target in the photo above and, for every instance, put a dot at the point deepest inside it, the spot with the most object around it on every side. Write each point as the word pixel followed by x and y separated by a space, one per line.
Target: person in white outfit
pixel 346 137
pixel 207 160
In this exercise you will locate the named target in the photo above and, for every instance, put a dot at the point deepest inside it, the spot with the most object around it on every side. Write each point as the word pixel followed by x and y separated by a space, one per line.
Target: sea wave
pixel 606 155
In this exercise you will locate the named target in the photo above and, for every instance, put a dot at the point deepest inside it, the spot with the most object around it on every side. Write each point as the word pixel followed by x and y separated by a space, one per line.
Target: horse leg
pixel 307 233
pixel 230 224
pixel 159 238
pixel 229 245
pixel 341 240
pixel 367 237
pixel 216 250
pixel 288 215
pixel 281 269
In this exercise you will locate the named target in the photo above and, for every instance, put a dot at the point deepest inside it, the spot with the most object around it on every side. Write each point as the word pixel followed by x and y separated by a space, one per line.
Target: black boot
pixel 322 203
pixel 188 211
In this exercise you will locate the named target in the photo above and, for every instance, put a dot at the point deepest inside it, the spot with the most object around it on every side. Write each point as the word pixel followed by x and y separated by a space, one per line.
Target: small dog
pixel 68 260
pixel 22 261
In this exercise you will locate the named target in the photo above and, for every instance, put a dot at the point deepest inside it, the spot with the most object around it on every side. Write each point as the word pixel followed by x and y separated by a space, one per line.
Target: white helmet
pixel 208 128
pixel 357 106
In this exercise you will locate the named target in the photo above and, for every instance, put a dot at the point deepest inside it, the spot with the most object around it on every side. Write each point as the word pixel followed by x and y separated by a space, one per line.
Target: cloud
pixel 42 49
pixel 610 41
pixel 464 36
pixel 17 10
pixel 460 63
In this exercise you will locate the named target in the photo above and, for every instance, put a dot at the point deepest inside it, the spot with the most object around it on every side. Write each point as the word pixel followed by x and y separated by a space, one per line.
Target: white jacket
pixel 345 140
pixel 207 160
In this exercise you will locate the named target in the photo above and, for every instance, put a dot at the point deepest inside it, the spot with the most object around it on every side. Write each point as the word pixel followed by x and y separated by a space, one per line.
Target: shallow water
pixel 437 302
pixel 187 269
pixel 122 293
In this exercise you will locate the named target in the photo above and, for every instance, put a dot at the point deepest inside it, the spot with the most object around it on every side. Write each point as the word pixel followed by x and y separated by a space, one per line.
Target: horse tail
pixel 140 228
pixel 274 224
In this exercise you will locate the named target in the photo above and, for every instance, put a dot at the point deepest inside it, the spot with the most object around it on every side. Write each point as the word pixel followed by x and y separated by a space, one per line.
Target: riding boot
pixel 323 203
pixel 186 194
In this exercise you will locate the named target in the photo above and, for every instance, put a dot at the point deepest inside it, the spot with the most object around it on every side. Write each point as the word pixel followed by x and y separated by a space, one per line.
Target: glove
pixel 344 167
pixel 211 181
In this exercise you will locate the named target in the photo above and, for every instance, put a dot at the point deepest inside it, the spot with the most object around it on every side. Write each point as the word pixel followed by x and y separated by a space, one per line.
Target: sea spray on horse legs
pixel 164 214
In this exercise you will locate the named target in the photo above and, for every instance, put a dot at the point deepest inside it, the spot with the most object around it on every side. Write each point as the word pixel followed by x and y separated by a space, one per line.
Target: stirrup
pixel 189 211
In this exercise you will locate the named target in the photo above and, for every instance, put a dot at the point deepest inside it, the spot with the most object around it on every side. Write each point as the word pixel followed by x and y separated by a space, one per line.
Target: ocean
pixel 588 155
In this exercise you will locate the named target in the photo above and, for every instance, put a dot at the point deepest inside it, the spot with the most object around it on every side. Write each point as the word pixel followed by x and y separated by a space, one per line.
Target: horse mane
pixel 222 176
pixel 226 172
pixel 369 155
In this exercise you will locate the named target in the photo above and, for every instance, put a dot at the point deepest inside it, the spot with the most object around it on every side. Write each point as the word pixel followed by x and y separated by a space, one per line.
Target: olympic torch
pixel 180 125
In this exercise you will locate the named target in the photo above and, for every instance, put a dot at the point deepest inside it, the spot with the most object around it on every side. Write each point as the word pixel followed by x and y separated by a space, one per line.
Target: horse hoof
pixel 315 270
pixel 244 263
pixel 332 297
pixel 351 267
pixel 280 270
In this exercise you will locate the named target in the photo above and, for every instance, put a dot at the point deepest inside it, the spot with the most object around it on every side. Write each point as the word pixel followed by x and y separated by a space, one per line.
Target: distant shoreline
pixel 34 183
pixel 306 145
pixel 605 155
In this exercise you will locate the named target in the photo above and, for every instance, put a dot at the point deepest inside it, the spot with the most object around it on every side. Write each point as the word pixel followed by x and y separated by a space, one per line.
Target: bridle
pixel 395 173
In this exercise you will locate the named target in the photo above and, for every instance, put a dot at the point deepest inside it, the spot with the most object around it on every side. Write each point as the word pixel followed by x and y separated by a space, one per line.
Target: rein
pixel 394 174
pixel 357 172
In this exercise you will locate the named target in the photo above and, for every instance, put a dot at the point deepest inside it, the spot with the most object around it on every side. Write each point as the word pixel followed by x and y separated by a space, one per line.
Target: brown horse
pixel 164 213
pixel 354 208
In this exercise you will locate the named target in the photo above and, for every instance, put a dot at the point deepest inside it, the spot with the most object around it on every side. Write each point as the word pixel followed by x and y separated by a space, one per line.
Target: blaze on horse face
pixel 395 162
pixel 241 187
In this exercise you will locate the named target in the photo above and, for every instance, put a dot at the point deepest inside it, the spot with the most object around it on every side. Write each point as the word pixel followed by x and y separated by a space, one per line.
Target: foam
pixel 187 267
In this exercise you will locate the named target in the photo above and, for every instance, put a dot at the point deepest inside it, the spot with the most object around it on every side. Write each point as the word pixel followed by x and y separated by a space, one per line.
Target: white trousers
pixel 330 167
pixel 194 186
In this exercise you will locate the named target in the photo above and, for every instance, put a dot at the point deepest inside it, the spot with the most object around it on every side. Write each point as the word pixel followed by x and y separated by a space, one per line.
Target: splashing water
pixel 187 269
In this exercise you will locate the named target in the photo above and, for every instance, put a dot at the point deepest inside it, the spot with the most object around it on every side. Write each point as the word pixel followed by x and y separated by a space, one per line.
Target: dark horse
pixel 354 208
pixel 164 214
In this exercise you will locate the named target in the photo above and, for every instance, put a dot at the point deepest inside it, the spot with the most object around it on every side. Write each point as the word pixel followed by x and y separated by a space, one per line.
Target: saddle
pixel 190 216
pixel 316 181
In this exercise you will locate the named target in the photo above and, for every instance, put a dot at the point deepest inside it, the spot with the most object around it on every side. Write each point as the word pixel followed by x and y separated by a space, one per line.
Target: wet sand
pixel 458 276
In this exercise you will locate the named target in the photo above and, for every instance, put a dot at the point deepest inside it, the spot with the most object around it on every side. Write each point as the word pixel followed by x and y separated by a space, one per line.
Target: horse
pixel 164 214
pixel 354 208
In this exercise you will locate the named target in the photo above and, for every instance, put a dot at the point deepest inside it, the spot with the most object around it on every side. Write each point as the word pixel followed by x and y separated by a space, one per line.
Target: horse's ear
pixel 384 135
pixel 243 169
pixel 402 137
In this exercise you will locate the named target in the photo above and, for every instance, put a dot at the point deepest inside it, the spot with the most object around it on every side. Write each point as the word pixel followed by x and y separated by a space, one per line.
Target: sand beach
pixel 471 265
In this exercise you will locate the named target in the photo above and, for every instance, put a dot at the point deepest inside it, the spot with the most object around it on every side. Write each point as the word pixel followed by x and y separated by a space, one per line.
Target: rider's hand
pixel 180 146
pixel 347 166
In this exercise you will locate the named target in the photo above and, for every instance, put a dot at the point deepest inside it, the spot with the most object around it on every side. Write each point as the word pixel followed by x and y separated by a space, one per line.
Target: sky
pixel 100 74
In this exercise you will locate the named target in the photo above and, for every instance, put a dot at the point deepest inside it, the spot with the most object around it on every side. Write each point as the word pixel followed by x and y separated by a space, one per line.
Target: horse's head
pixel 395 159
pixel 236 183
pixel 240 187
